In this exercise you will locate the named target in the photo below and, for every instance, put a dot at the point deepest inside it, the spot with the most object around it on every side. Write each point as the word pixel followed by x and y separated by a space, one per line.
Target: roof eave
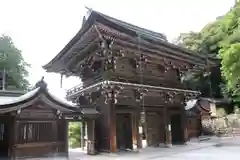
pixel 50 65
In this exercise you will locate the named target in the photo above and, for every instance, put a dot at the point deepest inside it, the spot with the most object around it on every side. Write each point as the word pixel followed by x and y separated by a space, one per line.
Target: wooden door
pixel 124 131
pixel 176 129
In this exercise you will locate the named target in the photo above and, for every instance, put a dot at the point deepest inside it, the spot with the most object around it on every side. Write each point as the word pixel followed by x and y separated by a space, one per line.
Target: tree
pixel 231 67
pixel 190 41
pixel 74 134
pixel 220 39
pixel 12 61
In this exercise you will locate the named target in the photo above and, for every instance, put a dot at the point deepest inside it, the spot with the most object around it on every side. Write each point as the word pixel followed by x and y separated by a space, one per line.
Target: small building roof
pixel 190 104
pixel 196 106
pixel 218 100
pixel 39 92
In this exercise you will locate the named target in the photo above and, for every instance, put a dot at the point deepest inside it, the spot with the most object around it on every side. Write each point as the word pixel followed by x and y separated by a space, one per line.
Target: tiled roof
pixel 138 30
pixel 41 93
pixel 129 28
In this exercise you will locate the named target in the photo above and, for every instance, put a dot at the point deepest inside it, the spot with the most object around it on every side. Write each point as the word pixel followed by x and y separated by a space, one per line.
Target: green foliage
pixel 11 59
pixel 190 40
pixel 74 134
pixel 231 67
pixel 220 38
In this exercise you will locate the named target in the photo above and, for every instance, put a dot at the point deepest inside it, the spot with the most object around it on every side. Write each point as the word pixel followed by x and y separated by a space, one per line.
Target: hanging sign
pixel 169 127
pixel 140 129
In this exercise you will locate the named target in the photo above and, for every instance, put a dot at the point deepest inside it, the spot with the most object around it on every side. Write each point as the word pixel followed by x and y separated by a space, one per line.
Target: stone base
pixel 91 148
pixel 168 145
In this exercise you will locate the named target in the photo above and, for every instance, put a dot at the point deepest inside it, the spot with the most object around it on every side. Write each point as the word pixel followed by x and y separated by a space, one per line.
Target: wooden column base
pixel 168 142
pixel 91 148
pixel 168 145
pixel 91 137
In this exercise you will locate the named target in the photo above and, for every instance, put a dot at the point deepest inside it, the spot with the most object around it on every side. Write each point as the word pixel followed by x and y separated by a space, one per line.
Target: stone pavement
pixel 199 150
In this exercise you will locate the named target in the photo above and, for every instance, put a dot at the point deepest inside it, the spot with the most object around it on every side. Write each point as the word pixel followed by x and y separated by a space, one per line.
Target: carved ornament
pixel 139 93
pixel 111 92
pixel 188 96
pixel 139 61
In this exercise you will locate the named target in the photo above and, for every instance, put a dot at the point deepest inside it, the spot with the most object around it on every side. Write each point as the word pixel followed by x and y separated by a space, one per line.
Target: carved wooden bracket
pixel 107 53
pixel 107 43
pixel 95 96
pixel 139 93
pixel 170 97
pixel 168 65
pixel 140 61
pixel 110 63
pixel 111 92
pixel 111 60
pixel 189 96
pixel 120 53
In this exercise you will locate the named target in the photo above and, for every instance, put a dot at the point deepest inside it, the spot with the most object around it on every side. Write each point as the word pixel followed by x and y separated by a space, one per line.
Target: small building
pixel 201 109
pixel 32 125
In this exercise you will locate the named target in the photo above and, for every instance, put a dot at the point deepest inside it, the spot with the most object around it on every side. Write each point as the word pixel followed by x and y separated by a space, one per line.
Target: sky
pixel 41 28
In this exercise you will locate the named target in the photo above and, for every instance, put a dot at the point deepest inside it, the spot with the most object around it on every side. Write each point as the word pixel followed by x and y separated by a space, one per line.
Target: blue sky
pixel 41 28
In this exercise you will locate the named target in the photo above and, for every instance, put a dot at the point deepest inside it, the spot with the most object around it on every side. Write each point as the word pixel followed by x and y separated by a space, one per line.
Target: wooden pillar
pixel 184 126
pixel 144 115
pixel 91 137
pixel 55 130
pixel 167 124
pixel 135 131
pixel 65 129
pixel 83 129
pixel 112 126
pixel 14 138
